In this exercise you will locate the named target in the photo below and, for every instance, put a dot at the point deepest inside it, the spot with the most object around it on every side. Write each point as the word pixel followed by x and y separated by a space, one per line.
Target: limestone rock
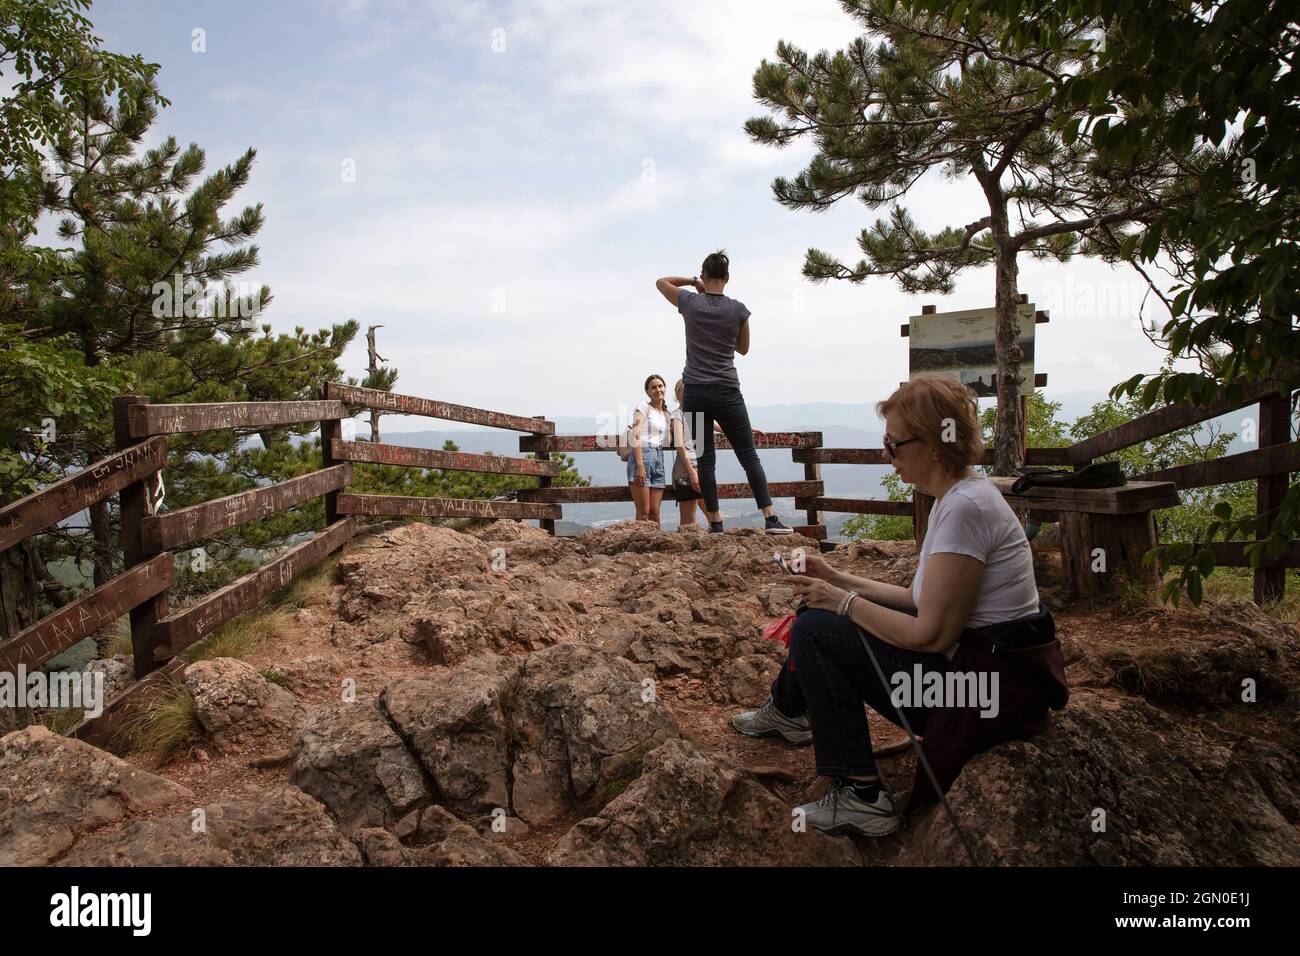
pixel 117 674
pixel 455 723
pixel 511 530
pixel 353 761
pixel 691 809
pixel 438 839
pixel 237 706
pixel 313 673
pixel 582 719
pixel 53 789
pixel 382 572
pixel 748 680
pixel 1211 668
pixel 1170 798
pixel 282 828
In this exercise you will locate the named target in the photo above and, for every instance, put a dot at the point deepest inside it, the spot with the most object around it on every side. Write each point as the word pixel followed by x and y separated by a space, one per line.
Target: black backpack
pixel 1099 474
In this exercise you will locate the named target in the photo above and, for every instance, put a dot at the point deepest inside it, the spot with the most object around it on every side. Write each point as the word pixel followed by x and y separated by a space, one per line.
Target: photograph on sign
pixel 962 344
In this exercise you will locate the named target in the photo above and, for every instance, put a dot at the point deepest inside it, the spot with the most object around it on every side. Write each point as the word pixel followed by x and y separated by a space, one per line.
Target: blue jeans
pixel 653 458
pixel 725 403
pixel 832 676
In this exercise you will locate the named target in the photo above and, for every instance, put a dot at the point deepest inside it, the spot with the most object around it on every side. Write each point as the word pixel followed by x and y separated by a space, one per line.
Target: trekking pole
pixel 929 771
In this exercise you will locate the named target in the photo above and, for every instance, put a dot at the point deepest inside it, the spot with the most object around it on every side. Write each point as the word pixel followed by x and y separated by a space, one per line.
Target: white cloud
pixel 518 177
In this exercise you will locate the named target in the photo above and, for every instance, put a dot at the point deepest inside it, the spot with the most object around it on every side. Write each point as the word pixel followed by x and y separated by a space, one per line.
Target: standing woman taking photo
pixel 717 327
pixel 646 477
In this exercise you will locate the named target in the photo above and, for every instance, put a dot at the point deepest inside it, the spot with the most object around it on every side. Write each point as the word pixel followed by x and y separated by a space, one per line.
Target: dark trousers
pixel 725 404
pixel 831 678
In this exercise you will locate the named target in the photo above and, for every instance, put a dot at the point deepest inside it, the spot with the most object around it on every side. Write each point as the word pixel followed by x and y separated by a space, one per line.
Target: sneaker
pixel 843 811
pixel 715 527
pixel 767 721
pixel 774 526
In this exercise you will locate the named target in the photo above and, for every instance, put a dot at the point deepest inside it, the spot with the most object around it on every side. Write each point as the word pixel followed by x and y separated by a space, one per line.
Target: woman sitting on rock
pixel 645 466
pixel 971 619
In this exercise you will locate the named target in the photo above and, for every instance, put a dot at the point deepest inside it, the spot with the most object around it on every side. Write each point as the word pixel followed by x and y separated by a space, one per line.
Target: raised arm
pixel 671 287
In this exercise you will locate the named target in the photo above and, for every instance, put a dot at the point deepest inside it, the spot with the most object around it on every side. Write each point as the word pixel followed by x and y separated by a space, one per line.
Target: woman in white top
pixel 646 477
pixel 973 604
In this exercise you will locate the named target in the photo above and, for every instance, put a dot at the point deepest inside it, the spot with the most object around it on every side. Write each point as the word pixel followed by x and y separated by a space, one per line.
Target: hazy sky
pixel 525 170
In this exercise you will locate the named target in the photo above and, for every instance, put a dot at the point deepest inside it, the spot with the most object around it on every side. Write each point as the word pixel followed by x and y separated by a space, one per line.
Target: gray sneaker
pixel 843 811
pixel 767 721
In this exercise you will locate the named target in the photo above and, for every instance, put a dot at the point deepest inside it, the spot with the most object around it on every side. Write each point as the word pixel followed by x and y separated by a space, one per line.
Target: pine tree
pixel 149 287
pixel 938 93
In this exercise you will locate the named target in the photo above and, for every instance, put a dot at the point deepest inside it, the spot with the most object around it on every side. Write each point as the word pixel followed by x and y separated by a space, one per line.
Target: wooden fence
pixel 1271 465
pixel 570 444
pixel 150 537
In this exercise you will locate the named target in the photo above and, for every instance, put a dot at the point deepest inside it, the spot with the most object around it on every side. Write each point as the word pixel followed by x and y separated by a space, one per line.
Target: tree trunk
pixel 1007 448
pixel 19 590
pixel 1007 451
pixel 101 529
pixel 373 353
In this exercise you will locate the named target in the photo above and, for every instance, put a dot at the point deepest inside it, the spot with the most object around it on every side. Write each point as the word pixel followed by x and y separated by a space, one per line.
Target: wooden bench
pixel 1103 530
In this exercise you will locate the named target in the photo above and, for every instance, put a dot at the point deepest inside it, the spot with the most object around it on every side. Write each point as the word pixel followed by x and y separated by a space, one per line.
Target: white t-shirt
pixel 973 518
pixel 654 425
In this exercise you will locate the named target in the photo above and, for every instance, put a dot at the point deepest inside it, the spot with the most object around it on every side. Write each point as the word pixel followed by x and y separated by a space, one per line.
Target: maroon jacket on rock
pixel 1026 656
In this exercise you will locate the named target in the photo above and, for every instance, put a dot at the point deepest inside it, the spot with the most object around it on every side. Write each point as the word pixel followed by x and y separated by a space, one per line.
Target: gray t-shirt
pixel 713 321
pixel 973 518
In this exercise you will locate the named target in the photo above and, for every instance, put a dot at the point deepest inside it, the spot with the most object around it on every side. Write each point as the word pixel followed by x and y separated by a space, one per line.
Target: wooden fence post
pixel 812 471
pixel 132 502
pixel 548 524
pixel 1274 429
pixel 330 429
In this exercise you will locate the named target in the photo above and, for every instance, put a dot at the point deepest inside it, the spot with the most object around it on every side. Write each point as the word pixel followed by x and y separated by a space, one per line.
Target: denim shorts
pixel 653 456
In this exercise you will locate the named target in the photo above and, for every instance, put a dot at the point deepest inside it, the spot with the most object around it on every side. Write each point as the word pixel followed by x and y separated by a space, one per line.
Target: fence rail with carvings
pixel 150 536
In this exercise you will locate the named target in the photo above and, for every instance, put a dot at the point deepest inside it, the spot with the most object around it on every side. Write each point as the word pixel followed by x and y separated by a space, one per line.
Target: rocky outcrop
pixel 282 828
pixel 566 700
pixel 1244 653
pixel 580 720
pixel 455 722
pixel 117 674
pixel 690 809
pixel 433 837
pixel 54 789
pixel 384 571
pixel 539 735
pixel 238 707
pixel 1114 781
pixel 351 759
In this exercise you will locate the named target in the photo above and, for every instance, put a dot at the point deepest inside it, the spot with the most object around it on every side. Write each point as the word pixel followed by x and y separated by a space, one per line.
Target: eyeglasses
pixel 891 447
